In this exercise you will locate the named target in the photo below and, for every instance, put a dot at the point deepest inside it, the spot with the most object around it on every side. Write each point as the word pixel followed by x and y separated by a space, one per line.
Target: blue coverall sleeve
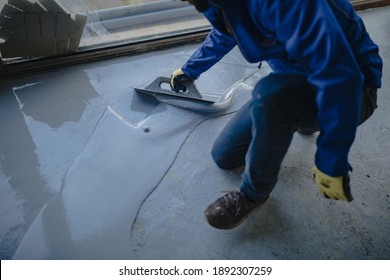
pixel 214 48
pixel 372 67
pixel 312 36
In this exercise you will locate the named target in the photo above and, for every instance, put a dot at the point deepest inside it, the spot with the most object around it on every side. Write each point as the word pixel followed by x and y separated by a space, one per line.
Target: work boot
pixel 230 210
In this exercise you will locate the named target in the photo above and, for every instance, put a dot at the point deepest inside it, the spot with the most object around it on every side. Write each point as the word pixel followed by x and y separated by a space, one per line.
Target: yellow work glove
pixel 180 81
pixel 333 187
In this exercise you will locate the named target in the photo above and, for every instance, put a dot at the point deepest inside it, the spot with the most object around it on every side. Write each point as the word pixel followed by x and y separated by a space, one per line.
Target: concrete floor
pixel 89 169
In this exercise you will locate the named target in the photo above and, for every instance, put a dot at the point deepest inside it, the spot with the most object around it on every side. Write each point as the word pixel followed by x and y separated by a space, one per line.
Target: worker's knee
pixel 224 158
pixel 281 92
pixel 269 89
pixel 219 158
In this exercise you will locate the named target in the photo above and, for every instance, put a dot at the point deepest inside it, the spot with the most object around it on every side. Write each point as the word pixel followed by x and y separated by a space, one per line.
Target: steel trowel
pixel 161 87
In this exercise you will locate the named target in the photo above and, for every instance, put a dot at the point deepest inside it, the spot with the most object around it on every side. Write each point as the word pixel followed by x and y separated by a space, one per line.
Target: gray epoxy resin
pixel 118 168
pixel 118 146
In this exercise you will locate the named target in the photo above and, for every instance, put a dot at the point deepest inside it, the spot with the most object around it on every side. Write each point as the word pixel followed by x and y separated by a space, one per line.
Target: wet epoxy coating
pixel 92 170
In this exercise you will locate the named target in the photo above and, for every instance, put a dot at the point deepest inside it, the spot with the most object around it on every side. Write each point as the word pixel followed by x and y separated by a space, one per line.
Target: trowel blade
pixel 156 88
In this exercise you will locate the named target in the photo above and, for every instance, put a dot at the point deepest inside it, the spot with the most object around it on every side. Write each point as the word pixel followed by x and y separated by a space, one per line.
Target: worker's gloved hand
pixel 333 187
pixel 180 81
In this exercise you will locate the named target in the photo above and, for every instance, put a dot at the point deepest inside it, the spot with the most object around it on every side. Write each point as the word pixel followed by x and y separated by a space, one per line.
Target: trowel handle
pixel 180 82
